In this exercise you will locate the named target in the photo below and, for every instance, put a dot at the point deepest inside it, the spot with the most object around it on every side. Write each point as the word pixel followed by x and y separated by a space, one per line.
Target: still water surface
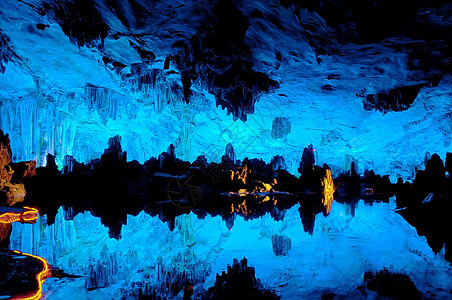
pixel 350 241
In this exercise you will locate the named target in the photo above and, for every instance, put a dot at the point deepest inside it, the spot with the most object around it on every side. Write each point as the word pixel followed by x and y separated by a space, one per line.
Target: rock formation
pixel 11 192
pixel 427 203
pixel 281 244
pixel 391 285
pixel 239 282
pixel 281 127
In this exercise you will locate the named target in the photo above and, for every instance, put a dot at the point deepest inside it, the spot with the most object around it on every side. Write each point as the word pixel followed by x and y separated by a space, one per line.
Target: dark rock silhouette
pixel 80 21
pixel 448 164
pixel 397 99
pixel 239 282
pixel 167 187
pixel 307 161
pixel 432 179
pixel 113 157
pixel 350 182
pixel 351 187
pixel 391 285
pixel 230 152
pixel 307 215
pixel 427 204
pixel 18 274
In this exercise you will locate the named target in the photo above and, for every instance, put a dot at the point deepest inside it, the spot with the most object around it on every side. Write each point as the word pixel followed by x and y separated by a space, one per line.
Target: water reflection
pixel 328 251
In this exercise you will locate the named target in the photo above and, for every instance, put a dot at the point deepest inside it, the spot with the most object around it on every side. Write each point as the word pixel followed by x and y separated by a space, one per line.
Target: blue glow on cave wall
pixel 364 84
pixel 79 124
pixel 393 143
pixel 62 98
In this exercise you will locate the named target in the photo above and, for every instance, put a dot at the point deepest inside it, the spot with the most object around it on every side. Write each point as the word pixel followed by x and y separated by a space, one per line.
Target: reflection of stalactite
pixel 278 214
pixel 105 101
pixel 184 225
pixel 50 242
pixel 240 208
pixel 281 244
pixel 350 208
pixel 101 273
pixel 239 282
pixel 183 142
pixel 229 218
pixel 169 279
pixel 307 217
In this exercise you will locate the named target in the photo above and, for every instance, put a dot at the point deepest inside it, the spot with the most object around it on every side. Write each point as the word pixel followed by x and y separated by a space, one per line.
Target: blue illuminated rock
pixel 114 69
pixel 281 244
pixel 363 81
pixel 278 163
pixel 280 127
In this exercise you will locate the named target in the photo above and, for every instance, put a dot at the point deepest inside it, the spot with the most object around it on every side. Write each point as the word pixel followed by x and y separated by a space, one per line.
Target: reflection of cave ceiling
pixel 351 62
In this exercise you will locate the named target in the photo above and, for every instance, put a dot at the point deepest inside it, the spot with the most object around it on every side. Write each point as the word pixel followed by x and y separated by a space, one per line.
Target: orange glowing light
pixel 41 277
pixel 369 191
pixel 31 214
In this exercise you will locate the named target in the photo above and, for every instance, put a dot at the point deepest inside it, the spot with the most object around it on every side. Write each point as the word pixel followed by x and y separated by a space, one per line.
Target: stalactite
pixel 38 126
pixel 50 242
pixel 170 278
pixel 5 52
pixel 183 142
pixel 105 101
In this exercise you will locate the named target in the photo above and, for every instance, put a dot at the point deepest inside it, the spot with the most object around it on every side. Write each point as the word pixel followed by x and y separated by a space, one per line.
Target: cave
pixel 268 149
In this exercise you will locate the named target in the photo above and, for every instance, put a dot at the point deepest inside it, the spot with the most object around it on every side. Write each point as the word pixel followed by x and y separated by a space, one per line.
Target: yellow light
pixel 369 191
pixel 31 214
pixel 41 277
